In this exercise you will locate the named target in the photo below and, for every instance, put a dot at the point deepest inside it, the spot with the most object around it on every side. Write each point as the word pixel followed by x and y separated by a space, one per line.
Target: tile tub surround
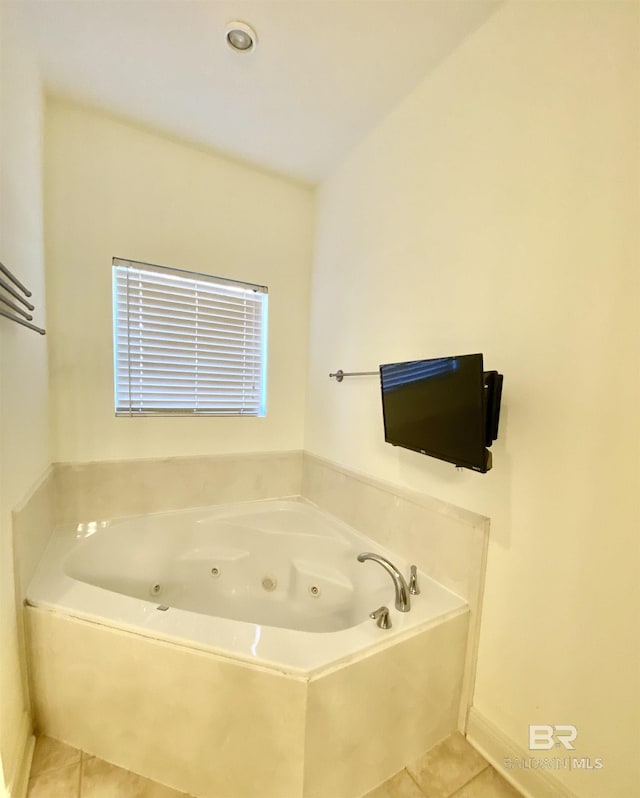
pixel 211 566
pixel 82 492
pixel 210 726
pixel 446 542
pixel 32 525
pixel 73 493
pixel 366 721
pixel 33 522
pixel 192 721
pixel 93 491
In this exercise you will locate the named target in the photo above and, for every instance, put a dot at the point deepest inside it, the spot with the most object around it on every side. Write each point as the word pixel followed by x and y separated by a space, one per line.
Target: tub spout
pixel 403 600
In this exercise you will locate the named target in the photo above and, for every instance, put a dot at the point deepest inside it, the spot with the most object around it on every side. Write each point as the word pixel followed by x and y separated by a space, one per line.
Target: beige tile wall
pixel 445 541
pixel 448 543
pixel 71 493
pixel 92 491
pixel 367 721
pixel 211 726
pixel 190 720
pixel 32 525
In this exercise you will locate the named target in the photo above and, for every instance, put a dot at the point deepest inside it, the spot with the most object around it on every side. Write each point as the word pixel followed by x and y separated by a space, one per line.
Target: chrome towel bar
pixel 340 374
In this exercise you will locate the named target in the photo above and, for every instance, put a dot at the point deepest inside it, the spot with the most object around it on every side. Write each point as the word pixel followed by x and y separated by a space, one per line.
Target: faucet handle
pixel 381 617
pixel 414 587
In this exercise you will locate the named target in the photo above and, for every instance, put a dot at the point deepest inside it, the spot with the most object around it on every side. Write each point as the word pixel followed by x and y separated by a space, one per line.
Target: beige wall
pixel 112 189
pixel 496 210
pixel 23 354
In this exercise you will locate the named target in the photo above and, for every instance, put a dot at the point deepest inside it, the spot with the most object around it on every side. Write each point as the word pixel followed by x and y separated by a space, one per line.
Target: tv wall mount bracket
pixel 340 374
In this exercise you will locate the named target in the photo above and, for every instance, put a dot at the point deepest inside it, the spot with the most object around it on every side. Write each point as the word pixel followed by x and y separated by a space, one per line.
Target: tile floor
pixel 59 771
pixel 453 769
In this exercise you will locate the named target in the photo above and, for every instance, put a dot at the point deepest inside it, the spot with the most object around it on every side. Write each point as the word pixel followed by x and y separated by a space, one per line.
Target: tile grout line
pixel 408 772
pixel 457 790
pixel 53 769
pixel 81 774
pixel 473 778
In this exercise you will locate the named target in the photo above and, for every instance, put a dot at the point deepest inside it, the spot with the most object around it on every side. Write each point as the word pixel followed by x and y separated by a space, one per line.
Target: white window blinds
pixel 187 343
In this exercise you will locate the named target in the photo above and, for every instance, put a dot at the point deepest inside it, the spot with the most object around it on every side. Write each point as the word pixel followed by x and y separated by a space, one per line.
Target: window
pixel 186 343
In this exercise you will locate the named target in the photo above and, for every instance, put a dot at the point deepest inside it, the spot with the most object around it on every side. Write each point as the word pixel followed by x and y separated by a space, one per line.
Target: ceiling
pixel 323 74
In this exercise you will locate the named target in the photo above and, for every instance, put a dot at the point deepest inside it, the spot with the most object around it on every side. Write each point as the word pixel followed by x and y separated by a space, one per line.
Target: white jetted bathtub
pixel 228 651
pixel 274 581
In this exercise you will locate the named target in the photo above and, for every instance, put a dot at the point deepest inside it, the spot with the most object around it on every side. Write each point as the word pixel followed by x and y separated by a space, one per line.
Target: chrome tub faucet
pixel 414 587
pixel 403 600
pixel 381 617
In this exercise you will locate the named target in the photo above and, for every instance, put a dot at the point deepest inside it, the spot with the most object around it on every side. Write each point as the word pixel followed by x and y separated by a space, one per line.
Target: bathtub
pixel 273 582
pixel 229 651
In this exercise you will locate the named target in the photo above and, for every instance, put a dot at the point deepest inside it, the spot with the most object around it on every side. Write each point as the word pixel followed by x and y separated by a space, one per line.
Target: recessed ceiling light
pixel 241 37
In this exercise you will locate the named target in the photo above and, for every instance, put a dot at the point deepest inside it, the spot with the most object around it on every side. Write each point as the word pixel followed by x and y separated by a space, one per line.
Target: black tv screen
pixel 437 407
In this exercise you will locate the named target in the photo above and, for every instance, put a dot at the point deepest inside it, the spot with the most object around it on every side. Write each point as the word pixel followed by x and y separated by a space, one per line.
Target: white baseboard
pixel 496 747
pixel 25 744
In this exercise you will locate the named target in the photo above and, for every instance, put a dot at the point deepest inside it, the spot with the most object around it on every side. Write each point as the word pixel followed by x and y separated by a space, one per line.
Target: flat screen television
pixel 445 407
